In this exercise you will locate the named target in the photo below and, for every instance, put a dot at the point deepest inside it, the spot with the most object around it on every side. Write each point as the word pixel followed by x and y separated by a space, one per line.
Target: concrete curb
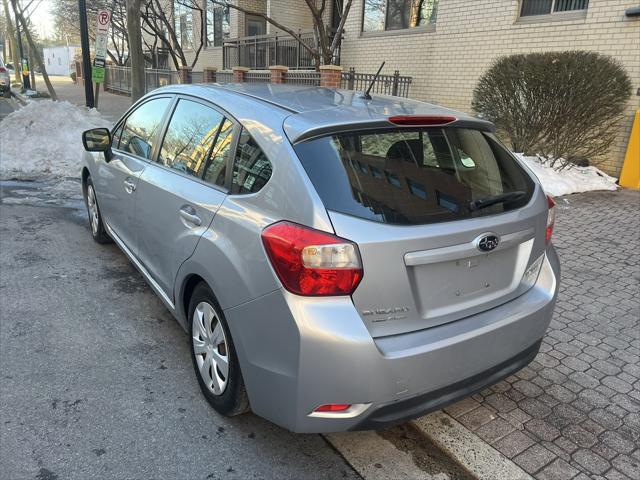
pixel 467 449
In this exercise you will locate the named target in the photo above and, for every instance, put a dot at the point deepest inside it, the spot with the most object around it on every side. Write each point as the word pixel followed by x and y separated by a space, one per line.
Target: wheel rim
pixel 210 348
pixel 92 206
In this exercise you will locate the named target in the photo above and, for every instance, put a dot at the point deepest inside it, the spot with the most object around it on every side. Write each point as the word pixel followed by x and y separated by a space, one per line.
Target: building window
pixel 255 25
pixel 380 15
pixel 183 24
pixel 218 27
pixel 547 7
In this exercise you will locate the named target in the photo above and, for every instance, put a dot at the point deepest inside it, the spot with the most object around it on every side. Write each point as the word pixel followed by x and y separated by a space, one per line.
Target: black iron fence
pixel 396 84
pixel 118 79
pixel 261 51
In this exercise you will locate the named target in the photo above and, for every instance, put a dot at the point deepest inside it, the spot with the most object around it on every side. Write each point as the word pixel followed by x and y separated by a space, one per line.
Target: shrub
pixel 561 105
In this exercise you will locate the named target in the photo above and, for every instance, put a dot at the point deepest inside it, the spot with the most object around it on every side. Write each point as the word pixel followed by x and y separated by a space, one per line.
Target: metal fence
pixel 257 77
pixel 154 78
pixel 299 77
pixel 118 79
pixel 261 51
pixel 395 84
pixel 224 77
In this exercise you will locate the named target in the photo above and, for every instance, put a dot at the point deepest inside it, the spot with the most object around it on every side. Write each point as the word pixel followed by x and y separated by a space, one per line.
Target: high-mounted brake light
pixel 551 217
pixel 333 407
pixel 310 262
pixel 422 121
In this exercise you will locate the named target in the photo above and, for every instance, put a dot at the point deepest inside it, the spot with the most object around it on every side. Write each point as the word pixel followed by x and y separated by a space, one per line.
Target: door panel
pixel 172 213
pixel 116 185
pixel 175 205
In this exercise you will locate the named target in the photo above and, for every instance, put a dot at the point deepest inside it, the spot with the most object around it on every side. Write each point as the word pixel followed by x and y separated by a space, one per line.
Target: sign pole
pixel 86 56
pixel 102 31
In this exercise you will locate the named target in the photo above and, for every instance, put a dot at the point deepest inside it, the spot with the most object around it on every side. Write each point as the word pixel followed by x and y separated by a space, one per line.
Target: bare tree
pixel 160 24
pixel 33 49
pixel 11 32
pixel 67 23
pixel 327 42
pixel 135 49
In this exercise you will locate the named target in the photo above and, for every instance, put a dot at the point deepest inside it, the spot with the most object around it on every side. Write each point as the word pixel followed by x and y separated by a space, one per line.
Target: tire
pixel 96 227
pixel 210 339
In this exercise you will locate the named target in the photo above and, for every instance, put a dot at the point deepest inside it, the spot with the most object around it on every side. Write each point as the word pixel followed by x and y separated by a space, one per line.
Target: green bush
pixel 561 105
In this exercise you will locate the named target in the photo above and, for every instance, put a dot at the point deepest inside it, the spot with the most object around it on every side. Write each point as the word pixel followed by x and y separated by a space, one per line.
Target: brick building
pixel 445 45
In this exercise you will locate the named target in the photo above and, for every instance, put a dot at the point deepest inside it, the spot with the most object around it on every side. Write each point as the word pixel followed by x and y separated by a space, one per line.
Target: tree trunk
pixel 12 42
pixel 135 49
pixel 36 55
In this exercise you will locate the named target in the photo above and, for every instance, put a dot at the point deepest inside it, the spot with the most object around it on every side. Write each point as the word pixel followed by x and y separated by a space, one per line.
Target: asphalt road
pixel 95 375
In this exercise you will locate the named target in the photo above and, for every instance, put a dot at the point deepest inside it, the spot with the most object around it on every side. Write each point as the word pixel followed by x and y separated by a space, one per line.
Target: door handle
pixel 129 186
pixel 188 214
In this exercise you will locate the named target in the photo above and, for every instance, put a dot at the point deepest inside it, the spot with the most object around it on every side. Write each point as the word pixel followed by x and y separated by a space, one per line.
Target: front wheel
pixel 98 232
pixel 214 356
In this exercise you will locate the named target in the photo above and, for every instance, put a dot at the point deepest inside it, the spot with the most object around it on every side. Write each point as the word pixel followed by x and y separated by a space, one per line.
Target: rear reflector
pixel 551 217
pixel 310 262
pixel 422 121
pixel 333 407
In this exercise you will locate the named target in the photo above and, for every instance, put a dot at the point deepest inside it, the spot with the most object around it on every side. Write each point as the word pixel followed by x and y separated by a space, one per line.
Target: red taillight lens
pixel 310 262
pixel 551 217
pixel 2 69
pixel 333 407
pixel 422 121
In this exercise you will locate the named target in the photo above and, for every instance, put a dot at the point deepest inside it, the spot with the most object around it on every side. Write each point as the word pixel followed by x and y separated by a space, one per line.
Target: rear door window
pixel 190 136
pixel 414 177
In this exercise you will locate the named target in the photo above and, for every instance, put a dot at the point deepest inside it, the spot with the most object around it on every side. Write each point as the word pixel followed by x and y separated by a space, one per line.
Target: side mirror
pixel 97 140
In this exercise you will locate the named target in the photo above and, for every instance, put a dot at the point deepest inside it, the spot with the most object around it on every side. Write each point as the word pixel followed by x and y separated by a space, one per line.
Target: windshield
pixel 414 177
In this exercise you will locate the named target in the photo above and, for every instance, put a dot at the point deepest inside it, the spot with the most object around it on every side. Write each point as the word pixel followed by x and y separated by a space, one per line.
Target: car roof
pixel 314 111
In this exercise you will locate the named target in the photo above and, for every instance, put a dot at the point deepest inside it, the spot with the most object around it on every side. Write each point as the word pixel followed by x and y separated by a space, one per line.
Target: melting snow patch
pixel 44 138
pixel 569 180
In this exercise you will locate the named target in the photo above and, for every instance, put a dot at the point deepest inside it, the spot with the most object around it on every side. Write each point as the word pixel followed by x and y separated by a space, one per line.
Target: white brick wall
pixel 446 63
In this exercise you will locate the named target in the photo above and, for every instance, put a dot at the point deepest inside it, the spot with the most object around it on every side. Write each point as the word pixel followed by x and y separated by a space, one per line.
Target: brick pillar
pixel 184 73
pixel 209 74
pixel 238 74
pixel 330 76
pixel 278 73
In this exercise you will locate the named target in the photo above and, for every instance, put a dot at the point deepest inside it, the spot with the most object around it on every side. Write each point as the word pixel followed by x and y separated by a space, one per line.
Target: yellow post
pixel 630 176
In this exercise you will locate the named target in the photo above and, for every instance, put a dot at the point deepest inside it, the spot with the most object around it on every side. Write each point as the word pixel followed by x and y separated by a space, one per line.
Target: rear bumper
pixel 297 353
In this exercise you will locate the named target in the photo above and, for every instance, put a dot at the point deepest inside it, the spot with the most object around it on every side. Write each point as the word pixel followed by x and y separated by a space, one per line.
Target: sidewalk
pixel 110 105
pixel 574 412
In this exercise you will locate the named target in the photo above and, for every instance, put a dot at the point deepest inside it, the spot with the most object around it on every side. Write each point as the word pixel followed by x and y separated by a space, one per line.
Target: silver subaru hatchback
pixel 339 263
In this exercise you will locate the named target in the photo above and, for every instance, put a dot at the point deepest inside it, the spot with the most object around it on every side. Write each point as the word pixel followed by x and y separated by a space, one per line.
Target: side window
pixel 141 127
pixel 190 135
pixel 216 169
pixel 251 168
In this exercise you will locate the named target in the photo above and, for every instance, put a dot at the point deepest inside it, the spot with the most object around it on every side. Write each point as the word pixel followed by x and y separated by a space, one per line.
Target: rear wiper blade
pixel 502 198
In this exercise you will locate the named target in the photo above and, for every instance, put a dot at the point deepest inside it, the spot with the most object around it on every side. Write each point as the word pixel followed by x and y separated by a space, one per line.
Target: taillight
pixel 2 69
pixel 310 262
pixel 551 217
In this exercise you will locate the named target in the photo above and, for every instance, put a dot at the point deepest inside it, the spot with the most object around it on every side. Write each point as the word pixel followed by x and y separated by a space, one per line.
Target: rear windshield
pixel 415 177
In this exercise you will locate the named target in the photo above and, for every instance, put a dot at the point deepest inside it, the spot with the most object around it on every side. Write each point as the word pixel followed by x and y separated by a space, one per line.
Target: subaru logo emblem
pixel 487 242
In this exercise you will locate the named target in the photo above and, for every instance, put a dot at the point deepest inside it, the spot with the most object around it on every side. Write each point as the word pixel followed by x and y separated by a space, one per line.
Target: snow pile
pixel 569 180
pixel 45 138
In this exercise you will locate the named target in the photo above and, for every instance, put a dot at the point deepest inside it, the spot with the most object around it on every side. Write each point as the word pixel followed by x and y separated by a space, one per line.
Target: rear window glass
pixel 415 177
